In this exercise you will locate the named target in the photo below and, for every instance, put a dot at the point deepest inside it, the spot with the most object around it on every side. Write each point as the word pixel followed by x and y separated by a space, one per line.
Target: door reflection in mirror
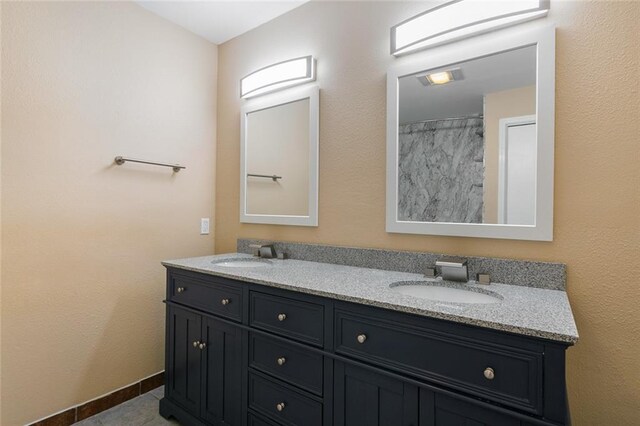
pixel 517 170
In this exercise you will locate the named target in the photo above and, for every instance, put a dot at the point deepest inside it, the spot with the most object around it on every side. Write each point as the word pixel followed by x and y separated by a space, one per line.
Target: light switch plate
pixel 204 226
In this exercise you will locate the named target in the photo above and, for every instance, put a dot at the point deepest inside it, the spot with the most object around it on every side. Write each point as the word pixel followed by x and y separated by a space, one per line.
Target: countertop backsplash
pixel 546 275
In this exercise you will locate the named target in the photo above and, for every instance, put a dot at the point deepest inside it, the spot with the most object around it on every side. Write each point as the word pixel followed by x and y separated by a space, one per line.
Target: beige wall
pixel 498 105
pixel 278 144
pixel 82 283
pixel 597 180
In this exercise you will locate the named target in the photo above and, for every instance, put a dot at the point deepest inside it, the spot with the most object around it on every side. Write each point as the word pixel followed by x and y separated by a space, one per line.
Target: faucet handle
pixel 430 272
pixel 483 278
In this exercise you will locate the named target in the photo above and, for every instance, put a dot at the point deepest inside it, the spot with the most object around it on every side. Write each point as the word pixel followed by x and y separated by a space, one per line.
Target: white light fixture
pixel 459 19
pixel 278 76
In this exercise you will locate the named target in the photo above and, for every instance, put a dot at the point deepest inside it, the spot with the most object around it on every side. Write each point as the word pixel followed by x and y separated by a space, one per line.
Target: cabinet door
pixel 442 410
pixel 221 387
pixel 183 358
pixel 365 398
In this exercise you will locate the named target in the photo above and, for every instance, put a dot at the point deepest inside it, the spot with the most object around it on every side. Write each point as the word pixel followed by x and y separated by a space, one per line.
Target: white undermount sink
pixel 440 293
pixel 242 263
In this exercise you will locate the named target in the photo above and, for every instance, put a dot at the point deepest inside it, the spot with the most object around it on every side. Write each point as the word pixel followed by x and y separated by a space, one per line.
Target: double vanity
pixel 258 342
pixel 357 337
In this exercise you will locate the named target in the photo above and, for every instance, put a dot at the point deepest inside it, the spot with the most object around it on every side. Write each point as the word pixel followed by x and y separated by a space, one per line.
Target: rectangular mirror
pixel 470 139
pixel 279 159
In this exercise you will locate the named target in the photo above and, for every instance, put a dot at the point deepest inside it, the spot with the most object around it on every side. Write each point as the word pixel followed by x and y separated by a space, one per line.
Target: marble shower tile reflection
pixel 441 171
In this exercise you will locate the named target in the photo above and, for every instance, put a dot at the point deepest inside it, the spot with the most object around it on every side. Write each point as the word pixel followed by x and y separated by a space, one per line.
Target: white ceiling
pixel 503 71
pixel 219 21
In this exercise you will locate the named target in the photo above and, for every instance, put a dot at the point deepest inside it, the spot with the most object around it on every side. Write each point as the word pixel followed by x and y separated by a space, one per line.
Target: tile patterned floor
pixel 140 411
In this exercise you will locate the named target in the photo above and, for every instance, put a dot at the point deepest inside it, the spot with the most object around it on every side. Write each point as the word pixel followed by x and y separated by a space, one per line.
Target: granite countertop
pixel 523 310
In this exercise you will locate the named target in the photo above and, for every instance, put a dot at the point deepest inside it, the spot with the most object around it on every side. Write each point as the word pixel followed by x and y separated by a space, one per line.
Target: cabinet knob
pixel 202 345
pixel 489 374
pixel 361 338
pixel 180 289
pixel 282 317
pixel 225 301
pixel 196 343
pixel 280 406
pixel 281 360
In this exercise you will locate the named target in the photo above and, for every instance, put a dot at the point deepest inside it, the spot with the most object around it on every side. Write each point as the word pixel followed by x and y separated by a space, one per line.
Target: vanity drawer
pixel 286 362
pixel 209 294
pixel 285 405
pixel 501 373
pixel 303 321
pixel 259 421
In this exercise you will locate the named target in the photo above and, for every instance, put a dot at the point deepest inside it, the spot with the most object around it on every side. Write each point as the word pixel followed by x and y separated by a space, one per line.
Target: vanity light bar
pixel 278 76
pixel 459 19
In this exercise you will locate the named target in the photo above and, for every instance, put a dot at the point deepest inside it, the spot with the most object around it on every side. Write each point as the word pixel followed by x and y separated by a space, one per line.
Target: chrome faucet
pixel 453 269
pixel 266 251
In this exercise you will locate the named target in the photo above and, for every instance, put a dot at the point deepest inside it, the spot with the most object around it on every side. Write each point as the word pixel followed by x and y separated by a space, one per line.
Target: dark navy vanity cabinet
pixel 205 377
pixel 244 354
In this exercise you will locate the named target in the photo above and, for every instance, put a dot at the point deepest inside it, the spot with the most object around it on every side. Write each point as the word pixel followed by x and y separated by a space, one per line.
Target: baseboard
pixel 90 408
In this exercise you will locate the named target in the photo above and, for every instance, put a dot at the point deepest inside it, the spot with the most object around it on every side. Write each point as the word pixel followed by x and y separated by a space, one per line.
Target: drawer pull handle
pixel 196 343
pixel 225 301
pixel 280 406
pixel 282 317
pixel 202 345
pixel 361 338
pixel 180 289
pixel 489 374
pixel 281 360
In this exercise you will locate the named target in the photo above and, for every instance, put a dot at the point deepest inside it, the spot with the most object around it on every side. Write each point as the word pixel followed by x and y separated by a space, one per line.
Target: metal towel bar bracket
pixel 274 177
pixel 119 160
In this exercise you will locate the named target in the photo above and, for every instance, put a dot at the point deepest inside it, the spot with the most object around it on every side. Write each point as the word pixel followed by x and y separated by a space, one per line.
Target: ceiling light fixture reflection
pixel 458 19
pixel 278 76
pixel 441 77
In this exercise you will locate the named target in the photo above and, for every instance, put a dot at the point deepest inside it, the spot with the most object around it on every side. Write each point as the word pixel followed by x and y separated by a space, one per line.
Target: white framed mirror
pixel 470 138
pixel 279 158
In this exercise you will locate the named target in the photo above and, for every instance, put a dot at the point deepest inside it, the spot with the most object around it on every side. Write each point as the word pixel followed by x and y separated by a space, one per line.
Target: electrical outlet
pixel 204 226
